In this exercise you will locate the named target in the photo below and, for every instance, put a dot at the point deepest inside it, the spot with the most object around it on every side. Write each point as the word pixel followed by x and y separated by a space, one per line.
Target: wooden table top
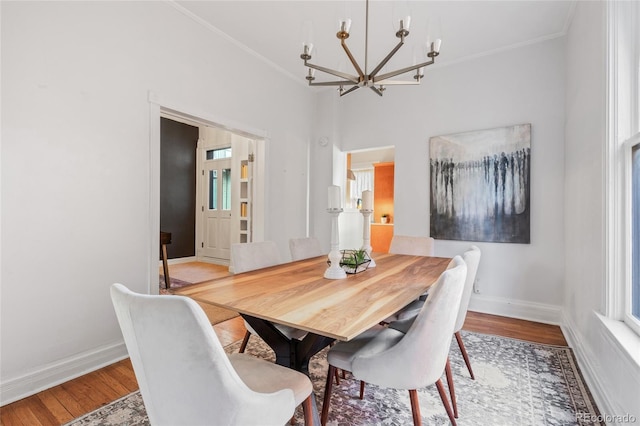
pixel 298 295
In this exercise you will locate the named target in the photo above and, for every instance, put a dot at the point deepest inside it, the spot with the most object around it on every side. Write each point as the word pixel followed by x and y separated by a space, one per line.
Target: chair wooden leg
pixel 415 407
pixel 165 267
pixel 445 401
pixel 452 390
pixel 307 406
pixel 327 395
pixel 361 389
pixel 337 375
pixel 243 345
pixel 464 354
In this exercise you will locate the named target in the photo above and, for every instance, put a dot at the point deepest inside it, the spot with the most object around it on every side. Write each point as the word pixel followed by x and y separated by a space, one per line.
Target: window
pixel 623 160
pixel 216 154
pixel 363 181
pixel 213 189
pixel 635 230
pixel 226 189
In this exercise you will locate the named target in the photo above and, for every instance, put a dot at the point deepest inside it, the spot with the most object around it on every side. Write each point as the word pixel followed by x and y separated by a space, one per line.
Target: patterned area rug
pixel 517 383
pixel 175 284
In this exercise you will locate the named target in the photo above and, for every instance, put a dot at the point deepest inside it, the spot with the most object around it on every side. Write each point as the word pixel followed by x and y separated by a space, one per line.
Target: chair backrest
pixel 183 372
pixel 472 258
pixel 416 246
pixel 419 358
pixel 250 256
pixel 304 248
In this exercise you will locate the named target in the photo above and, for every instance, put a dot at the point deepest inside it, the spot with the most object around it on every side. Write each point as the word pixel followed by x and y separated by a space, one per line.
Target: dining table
pixel 296 294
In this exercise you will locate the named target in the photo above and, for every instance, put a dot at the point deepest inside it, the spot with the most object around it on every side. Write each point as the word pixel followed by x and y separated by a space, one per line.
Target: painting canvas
pixel 480 185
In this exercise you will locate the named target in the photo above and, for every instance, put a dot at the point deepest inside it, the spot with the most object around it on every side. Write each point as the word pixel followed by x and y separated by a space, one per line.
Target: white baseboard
pixel 614 377
pixel 179 260
pixel 215 261
pixel 211 260
pixel 54 374
pixel 586 366
pixel 531 311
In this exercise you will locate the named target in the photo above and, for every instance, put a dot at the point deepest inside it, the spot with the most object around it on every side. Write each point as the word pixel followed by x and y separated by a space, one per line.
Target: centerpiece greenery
pixel 354 261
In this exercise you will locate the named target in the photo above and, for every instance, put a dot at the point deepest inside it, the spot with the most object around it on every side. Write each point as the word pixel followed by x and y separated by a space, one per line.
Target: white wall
pixel 76 165
pixel 612 374
pixel 524 85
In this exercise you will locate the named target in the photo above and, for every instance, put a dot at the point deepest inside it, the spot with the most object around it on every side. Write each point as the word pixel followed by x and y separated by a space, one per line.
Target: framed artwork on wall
pixel 480 185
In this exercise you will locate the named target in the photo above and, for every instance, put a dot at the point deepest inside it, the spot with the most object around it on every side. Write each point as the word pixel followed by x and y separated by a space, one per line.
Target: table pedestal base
pixel 291 353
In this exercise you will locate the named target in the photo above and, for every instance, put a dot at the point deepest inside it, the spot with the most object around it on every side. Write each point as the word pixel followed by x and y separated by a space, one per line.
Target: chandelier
pixel 373 80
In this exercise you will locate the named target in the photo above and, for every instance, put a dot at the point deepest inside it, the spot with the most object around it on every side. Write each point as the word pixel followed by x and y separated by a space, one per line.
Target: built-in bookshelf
pixel 245 200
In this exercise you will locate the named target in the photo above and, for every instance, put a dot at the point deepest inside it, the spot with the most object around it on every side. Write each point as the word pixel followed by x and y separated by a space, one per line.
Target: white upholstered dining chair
pixel 392 359
pixel 247 257
pixel 304 248
pixel 471 258
pixel 250 256
pixel 416 246
pixel 185 377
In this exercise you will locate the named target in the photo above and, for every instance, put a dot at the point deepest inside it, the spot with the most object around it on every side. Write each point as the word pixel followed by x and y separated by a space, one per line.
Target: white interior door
pixel 217 209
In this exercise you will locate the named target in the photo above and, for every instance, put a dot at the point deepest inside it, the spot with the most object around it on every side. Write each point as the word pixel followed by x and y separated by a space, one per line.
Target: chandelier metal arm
pixel 340 74
pixel 352 59
pixel 398 83
pixel 333 83
pixel 375 89
pixel 346 92
pixel 403 70
pixel 386 59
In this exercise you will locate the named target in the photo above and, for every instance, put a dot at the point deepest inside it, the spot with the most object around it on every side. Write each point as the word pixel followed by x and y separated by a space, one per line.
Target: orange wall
pixel 381 237
pixel 382 203
pixel 383 191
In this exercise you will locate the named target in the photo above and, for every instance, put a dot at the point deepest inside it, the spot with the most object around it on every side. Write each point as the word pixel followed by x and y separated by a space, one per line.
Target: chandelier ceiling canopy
pixel 374 79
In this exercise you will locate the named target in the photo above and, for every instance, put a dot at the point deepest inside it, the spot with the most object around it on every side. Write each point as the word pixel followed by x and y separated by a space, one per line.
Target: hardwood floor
pixel 74 398
pixel 514 328
pixel 196 272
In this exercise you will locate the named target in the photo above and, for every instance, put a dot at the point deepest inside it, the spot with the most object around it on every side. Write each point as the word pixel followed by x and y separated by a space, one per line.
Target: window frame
pixel 623 133
pixel 628 317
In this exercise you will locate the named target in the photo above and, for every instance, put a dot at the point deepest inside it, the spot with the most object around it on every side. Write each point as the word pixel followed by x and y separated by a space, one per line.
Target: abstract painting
pixel 480 185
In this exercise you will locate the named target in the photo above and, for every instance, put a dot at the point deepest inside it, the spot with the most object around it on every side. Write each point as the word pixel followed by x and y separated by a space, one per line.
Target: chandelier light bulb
pixel 405 22
pixel 344 26
pixel 306 51
pixel 435 47
pixel 311 74
pixel 403 27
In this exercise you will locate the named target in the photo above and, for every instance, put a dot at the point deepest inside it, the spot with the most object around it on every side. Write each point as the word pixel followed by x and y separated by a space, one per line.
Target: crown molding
pixel 232 40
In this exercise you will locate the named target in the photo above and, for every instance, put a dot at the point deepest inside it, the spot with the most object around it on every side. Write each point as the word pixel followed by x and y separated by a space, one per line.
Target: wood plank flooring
pixel 74 398
pixel 196 272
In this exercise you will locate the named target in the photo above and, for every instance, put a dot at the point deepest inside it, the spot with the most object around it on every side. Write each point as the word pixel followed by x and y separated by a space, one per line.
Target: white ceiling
pixel 274 29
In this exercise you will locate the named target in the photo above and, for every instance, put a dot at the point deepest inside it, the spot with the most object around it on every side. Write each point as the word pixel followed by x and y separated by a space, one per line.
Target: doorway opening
pixel 369 169
pixel 225 203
